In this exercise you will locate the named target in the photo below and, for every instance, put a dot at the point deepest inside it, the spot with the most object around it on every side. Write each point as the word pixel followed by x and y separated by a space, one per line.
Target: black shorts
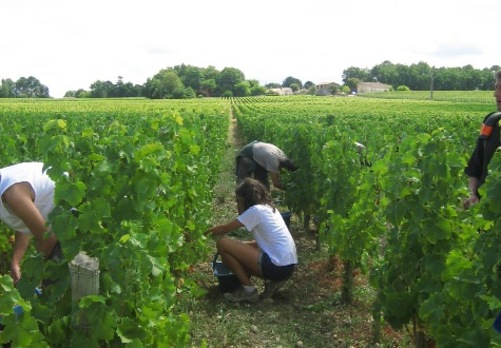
pixel 272 272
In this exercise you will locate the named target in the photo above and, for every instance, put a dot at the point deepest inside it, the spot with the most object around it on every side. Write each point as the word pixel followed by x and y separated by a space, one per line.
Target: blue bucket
pixel 287 218
pixel 227 280
pixel 497 323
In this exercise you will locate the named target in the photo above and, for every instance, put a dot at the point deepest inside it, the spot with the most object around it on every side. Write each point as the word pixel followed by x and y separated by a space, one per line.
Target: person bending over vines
pixel 27 199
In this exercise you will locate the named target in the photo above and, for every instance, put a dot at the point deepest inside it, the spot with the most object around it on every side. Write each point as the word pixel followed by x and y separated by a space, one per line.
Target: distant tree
pixel 241 89
pixel 7 88
pixel 211 73
pixel 191 76
pixel 352 83
pixel 80 93
pixel 70 94
pixel 290 80
pixel 257 90
pixel 189 93
pixel 312 90
pixel 295 87
pixel 403 88
pixel 308 84
pixel 207 87
pixel 418 76
pixel 345 89
pixel 334 89
pixel 30 88
pixel 227 94
pixel 117 90
pixel 273 85
pixel 487 77
pixel 253 83
pixel 164 85
pixel 386 72
pixel 182 93
pixel 106 89
pixel 228 79
pixel 101 89
pixel 356 73
pixel 132 90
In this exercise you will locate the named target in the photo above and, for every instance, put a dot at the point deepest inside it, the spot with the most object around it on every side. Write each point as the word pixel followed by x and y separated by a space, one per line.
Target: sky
pixel 68 45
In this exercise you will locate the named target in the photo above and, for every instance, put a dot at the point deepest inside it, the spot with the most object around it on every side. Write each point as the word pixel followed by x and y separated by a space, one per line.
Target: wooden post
pixel 84 275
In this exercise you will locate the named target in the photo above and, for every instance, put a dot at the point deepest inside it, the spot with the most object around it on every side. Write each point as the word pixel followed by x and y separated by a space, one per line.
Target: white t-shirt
pixel 271 233
pixel 268 156
pixel 42 184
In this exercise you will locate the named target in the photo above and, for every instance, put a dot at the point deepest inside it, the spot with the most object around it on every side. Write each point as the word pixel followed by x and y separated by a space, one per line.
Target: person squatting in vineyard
pixel 257 159
pixel 27 199
pixel 271 255
pixel 487 143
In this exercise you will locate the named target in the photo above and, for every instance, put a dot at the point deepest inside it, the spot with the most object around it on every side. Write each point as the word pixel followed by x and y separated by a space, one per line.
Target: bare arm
pixel 20 198
pixel 20 245
pixel 473 185
pixel 225 228
pixel 275 179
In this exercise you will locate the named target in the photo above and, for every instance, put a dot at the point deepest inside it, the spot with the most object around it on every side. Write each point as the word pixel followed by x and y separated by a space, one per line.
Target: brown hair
pixel 498 75
pixel 251 192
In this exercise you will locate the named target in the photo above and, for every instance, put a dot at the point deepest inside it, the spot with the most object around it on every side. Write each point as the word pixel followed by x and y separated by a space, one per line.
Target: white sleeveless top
pixel 42 184
pixel 271 233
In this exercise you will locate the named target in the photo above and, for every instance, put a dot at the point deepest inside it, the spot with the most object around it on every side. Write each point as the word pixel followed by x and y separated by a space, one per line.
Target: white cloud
pixel 68 45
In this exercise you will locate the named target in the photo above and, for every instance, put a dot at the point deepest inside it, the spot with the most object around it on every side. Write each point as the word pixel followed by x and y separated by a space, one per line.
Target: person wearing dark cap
pixel 258 159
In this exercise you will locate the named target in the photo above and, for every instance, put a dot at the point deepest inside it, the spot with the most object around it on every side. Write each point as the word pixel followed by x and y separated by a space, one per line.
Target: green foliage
pixel 140 176
pixel 402 88
pixel 23 88
pixel 400 219
pixel 423 223
pixel 21 329
pixel 134 190
pixel 345 90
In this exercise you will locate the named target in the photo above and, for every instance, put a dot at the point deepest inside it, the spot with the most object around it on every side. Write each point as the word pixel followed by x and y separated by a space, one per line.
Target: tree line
pixel 422 77
pixel 187 81
pixel 23 88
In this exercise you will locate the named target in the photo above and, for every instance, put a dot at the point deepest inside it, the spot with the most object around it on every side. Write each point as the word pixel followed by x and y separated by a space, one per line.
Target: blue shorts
pixel 272 272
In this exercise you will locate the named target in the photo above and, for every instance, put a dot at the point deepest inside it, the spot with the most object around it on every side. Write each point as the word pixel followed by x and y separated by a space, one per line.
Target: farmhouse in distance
pixel 372 87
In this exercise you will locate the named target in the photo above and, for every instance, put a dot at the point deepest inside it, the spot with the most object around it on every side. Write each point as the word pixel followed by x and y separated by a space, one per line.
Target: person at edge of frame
pixel 487 143
pixel 27 199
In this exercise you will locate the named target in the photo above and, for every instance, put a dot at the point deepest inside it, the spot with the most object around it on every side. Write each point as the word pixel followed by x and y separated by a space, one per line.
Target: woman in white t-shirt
pixel 27 199
pixel 271 255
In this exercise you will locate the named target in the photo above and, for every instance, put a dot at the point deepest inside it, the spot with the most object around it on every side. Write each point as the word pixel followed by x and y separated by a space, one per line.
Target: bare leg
pixel 240 257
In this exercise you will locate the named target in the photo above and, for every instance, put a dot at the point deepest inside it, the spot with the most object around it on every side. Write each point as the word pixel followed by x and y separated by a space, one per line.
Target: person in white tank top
pixel 27 199
pixel 270 256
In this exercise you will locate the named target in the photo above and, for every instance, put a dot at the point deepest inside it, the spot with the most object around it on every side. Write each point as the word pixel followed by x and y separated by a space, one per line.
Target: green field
pixel 142 176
